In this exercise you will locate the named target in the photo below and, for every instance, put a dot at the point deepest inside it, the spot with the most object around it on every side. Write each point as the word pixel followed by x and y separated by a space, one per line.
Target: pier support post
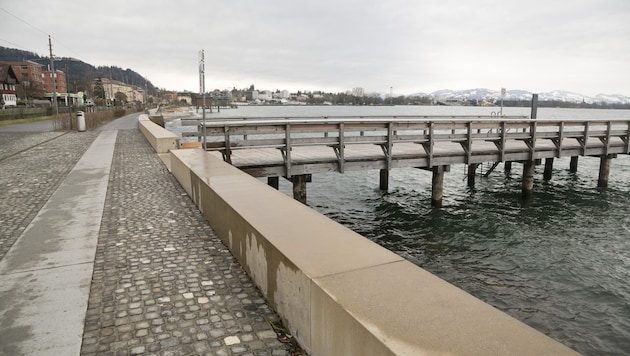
pixel 384 179
pixel 574 164
pixel 528 178
pixel 507 169
pixel 274 182
pixel 548 168
pixel 472 171
pixel 604 171
pixel 437 187
pixel 299 187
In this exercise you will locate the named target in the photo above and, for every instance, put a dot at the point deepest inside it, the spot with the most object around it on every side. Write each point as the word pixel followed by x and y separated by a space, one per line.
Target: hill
pixel 524 95
pixel 78 73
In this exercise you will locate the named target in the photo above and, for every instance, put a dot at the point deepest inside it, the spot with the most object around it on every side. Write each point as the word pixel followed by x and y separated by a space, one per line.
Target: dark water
pixel 560 262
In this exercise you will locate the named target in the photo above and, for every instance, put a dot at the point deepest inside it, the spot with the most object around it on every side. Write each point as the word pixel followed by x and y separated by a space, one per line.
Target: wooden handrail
pixel 338 132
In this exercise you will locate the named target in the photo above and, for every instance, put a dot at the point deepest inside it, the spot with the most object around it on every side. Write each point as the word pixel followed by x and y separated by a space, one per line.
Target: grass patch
pixel 22 121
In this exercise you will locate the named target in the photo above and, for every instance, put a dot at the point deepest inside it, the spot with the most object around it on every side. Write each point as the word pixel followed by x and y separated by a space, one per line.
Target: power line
pixel 26 22
pixel 36 28
pixel 16 45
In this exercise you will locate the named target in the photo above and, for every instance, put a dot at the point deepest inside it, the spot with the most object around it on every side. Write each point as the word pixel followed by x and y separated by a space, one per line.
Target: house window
pixel 23 67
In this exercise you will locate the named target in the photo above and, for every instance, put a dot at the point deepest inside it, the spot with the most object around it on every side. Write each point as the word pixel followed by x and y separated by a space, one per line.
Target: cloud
pixel 410 45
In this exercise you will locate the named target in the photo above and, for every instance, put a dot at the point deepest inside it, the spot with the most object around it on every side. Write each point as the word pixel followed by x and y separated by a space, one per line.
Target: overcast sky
pixel 408 45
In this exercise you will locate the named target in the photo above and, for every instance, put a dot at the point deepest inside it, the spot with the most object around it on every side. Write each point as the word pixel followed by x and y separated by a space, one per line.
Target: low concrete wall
pixel 338 292
pixel 161 139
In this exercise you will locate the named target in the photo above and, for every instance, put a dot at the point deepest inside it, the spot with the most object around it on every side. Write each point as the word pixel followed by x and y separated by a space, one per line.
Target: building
pixel 31 79
pixel 184 98
pixel 8 83
pixel 61 88
pixel 132 93
pixel 36 82
pixel 60 81
pixel 358 91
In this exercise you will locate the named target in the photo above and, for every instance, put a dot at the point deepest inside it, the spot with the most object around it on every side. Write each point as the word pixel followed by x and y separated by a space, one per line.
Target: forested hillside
pixel 79 74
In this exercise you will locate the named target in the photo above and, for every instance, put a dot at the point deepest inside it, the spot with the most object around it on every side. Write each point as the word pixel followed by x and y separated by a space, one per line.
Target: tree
pixel 120 97
pixel 99 90
pixel 33 89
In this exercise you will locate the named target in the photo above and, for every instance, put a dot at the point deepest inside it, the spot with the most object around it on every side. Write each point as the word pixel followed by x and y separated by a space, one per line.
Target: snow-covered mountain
pixel 557 95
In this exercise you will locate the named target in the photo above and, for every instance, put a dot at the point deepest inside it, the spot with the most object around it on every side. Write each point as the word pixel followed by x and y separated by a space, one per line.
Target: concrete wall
pixel 161 139
pixel 338 292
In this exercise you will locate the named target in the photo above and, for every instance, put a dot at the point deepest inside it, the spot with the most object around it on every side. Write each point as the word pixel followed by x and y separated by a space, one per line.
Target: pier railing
pixel 406 141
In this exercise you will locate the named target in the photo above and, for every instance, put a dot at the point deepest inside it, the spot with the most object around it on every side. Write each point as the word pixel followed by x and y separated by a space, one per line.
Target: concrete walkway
pixel 45 277
pixel 102 252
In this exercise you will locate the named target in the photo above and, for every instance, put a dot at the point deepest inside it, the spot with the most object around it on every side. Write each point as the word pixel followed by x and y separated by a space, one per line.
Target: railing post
pixel 469 144
pixel 342 146
pixel 428 146
pixel 560 139
pixel 532 132
pixel 534 113
pixel 228 150
pixel 287 148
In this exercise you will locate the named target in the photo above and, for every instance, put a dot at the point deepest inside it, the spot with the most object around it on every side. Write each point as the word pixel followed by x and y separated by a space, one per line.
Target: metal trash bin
pixel 80 121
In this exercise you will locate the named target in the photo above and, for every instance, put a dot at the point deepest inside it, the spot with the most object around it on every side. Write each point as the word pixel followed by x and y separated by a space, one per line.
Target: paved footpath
pixel 103 253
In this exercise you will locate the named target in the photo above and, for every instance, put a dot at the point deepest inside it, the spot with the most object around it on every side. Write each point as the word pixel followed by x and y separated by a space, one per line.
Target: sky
pixel 397 46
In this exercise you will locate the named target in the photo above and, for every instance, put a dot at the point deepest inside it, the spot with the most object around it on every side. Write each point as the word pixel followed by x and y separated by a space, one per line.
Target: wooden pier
pixel 295 148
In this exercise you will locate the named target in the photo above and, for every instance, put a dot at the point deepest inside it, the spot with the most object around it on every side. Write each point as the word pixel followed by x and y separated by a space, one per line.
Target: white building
pixel 358 92
pixel 265 95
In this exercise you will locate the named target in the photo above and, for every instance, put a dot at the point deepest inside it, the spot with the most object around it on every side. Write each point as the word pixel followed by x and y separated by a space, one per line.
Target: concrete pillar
pixel 472 172
pixel 604 171
pixel 574 164
pixel 528 178
pixel 384 179
pixel 548 168
pixel 274 182
pixel 437 187
pixel 299 188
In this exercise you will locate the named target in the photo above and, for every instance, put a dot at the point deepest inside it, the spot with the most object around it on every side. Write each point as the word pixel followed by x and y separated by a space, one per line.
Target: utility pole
pixel 53 79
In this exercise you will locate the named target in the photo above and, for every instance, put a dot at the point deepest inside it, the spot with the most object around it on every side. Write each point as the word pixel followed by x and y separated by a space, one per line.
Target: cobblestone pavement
pixel 163 282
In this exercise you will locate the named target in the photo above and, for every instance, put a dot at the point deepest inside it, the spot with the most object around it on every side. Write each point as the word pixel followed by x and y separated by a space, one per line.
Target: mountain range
pixel 523 95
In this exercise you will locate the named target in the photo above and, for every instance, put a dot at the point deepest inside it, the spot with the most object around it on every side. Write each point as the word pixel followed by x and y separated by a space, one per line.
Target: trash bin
pixel 80 121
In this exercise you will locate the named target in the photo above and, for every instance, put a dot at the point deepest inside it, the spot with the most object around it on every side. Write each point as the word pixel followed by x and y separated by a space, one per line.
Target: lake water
pixel 560 262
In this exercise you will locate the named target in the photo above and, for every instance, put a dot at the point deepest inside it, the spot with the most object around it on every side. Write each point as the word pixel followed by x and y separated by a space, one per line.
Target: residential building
pixel 8 83
pixel 131 92
pixel 31 79
pixel 60 81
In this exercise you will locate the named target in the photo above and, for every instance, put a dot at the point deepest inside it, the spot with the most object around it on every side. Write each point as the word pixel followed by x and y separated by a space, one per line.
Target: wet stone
pixel 163 283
